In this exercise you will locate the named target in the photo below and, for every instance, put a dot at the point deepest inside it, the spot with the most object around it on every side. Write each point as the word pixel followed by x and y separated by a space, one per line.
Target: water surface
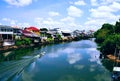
pixel 74 61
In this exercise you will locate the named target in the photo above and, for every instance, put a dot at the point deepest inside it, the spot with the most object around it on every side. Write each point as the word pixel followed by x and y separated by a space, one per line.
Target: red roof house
pixel 33 30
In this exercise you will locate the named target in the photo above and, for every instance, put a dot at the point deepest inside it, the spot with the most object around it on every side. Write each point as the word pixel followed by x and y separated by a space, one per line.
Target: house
pixel 34 30
pixel 55 33
pixel 6 35
pixel 17 33
pixel 27 34
pixel 67 35
pixel 43 34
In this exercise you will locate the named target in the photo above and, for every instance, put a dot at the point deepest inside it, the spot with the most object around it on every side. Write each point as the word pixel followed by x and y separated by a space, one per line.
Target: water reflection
pixel 79 67
pixel 8 69
pixel 73 58
pixel 75 61
pixel 14 62
pixel 94 55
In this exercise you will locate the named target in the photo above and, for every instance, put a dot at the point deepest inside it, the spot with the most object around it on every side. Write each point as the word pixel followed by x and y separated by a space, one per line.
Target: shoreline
pixel 42 43
pixel 13 47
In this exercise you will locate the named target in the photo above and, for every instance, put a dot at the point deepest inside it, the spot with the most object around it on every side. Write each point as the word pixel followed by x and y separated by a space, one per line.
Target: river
pixel 71 61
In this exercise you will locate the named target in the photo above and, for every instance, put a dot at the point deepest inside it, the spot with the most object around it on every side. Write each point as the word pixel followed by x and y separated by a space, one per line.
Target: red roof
pixel 26 33
pixel 32 28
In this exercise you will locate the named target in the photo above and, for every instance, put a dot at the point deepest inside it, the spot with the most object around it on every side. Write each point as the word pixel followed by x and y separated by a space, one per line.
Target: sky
pixel 63 14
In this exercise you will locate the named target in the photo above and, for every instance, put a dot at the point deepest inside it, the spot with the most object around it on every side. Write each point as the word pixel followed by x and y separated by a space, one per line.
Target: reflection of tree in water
pixel 108 64
pixel 13 62
pixel 17 54
pixel 10 68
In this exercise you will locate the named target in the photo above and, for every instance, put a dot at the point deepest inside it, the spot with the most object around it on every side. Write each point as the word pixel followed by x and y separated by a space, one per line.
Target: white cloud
pixel 25 24
pixel 5 19
pixel 94 3
pixel 103 14
pixel 106 12
pixel 53 14
pixel 114 7
pixel 94 24
pixel 105 2
pixel 13 22
pixel 68 19
pixel 74 11
pixel 19 3
pixel 10 21
pixel 80 2
pixel 38 21
pixel 73 58
pixel 48 21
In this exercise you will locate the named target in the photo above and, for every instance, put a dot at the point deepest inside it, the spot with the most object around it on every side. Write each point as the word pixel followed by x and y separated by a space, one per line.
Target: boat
pixel 8 43
pixel 116 67
pixel 116 74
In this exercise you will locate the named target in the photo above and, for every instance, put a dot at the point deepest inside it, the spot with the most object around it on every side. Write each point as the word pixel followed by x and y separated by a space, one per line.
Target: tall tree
pixel 117 27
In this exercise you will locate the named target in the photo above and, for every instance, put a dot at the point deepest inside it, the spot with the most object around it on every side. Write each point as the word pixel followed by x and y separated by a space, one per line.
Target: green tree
pixel 117 27
pixel 110 43
pixel 105 31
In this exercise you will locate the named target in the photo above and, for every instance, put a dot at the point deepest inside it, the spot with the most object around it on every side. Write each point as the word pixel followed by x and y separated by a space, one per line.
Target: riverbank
pixel 41 43
pixel 13 47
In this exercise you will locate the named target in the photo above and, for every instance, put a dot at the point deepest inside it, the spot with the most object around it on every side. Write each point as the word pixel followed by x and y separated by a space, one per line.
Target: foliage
pixel 101 35
pixel 108 46
pixel 59 36
pixel 43 29
pixel 18 42
pixel 50 40
pixel 117 27
pixel 24 41
pixel 108 37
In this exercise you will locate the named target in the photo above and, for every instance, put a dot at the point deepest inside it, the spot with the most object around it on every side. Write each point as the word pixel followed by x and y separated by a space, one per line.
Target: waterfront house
pixel 34 30
pixel 55 33
pixel 27 34
pixel 43 34
pixel 76 33
pixel 6 35
pixel 17 33
pixel 67 35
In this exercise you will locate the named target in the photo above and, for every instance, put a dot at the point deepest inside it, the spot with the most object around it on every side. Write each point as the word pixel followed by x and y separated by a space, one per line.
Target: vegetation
pixel 108 37
pixel 24 41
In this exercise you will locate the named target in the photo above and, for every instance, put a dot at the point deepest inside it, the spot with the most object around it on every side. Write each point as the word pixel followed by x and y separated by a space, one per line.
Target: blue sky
pixel 64 14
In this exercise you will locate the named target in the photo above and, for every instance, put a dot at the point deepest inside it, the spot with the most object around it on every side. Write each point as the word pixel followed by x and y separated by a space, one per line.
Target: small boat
pixel 116 68
pixel 8 43
pixel 116 74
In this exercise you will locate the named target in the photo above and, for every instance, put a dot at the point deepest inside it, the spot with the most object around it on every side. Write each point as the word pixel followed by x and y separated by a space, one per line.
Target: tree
pixel 111 43
pixel 117 27
pixel 101 34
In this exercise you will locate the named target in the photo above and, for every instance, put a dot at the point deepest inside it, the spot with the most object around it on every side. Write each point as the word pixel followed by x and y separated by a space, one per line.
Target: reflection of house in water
pixel 6 35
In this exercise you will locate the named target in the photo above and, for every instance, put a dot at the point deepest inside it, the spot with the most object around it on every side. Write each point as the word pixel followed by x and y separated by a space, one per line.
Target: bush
pixel 50 40
pixel 24 41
